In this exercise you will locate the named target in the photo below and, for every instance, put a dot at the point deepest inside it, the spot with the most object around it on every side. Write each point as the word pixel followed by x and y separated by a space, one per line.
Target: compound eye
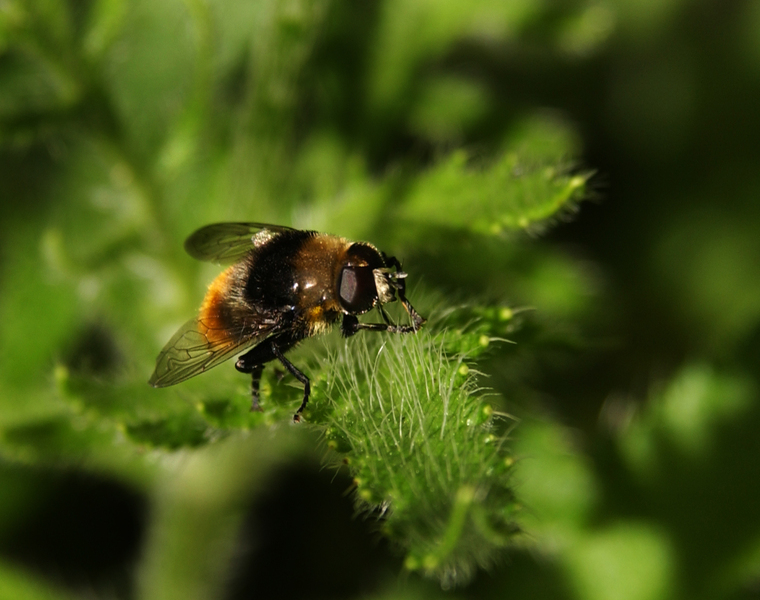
pixel 357 289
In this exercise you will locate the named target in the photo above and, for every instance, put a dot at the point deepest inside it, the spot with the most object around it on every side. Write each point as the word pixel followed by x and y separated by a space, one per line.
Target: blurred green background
pixel 457 136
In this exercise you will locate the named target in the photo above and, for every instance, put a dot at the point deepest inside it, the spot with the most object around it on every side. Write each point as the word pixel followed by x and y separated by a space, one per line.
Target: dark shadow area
pixel 302 539
pixel 76 529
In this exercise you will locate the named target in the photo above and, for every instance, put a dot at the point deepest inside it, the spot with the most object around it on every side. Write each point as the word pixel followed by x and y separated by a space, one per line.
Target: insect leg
pixel 388 328
pixel 400 285
pixel 417 319
pixel 298 375
pixel 392 327
pixel 255 382
pixel 392 261
pixel 351 325
pixel 253 362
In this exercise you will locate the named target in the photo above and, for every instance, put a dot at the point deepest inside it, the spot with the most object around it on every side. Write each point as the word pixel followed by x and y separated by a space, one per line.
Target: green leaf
pixel 522 188
pixel 421 438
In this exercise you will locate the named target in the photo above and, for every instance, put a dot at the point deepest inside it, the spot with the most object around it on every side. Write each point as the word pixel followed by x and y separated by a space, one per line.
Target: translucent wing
pixel 228 242
pixel 196 348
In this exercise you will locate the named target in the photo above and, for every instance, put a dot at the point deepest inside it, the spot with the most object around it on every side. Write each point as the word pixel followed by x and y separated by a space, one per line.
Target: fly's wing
pixel 229 242
pixel 196 348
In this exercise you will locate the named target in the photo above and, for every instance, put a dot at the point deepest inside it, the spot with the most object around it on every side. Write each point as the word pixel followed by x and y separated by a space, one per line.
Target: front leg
pixel 351 325
pixel 399 282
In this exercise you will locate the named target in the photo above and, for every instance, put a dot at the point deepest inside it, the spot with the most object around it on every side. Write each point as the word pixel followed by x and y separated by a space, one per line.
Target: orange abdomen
pixel 214 317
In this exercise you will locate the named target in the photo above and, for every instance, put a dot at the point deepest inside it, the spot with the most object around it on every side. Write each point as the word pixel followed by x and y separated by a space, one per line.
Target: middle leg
pixel 298 375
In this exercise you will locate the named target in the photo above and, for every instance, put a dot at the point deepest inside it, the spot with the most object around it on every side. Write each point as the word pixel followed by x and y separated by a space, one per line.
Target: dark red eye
pixel 357 289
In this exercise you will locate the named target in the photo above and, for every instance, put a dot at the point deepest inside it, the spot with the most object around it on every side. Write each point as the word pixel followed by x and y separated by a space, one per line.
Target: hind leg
pixel 254 360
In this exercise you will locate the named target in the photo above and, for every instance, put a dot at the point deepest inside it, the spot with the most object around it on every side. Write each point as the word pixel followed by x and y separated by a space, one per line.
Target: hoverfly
pixel 284 285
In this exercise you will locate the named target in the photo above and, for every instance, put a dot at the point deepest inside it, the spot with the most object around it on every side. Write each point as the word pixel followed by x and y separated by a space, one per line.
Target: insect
pixel 284 285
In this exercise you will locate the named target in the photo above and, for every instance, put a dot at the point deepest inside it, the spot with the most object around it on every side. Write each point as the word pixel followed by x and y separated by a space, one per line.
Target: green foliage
pixel 577 426
pixel 527 184
pixel 654 515
pixel 423 444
